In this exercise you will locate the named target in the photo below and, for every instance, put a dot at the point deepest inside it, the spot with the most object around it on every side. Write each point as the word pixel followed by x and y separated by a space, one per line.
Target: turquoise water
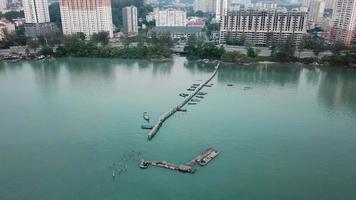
pixel 64 122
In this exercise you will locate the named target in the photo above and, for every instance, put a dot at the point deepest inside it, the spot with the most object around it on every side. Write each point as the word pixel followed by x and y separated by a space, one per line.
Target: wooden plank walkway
pixel 168 114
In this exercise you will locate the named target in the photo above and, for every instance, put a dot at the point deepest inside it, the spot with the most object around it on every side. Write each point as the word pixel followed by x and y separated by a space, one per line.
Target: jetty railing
pixel 171 112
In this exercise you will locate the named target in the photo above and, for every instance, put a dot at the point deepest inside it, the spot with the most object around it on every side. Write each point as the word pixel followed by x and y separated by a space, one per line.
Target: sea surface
pixel 283 131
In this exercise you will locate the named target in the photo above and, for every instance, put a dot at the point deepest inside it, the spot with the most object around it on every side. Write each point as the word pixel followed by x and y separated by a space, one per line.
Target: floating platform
pixel 202 159
pixel 164 164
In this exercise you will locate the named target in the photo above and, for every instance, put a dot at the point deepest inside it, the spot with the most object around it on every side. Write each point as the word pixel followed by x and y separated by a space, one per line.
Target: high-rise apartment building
pixel 129 16
pixel 208 6
pixel 316 13
pixel 171 17
pixel 3 4
pixel 262 27
pixel 86 16
pixel 344 22
pixel 36 11
pixel 221 9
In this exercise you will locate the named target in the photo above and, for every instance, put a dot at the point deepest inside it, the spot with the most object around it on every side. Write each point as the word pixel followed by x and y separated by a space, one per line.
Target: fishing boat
pixel 147 127
pixel 146 116
pixel 183 95
pixel 195 100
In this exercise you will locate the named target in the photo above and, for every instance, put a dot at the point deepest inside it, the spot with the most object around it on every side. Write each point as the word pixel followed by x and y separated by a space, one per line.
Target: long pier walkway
pixel 168 114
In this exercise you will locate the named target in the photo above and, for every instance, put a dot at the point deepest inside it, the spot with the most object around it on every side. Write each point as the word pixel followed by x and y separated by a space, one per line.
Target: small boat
pixel 207 85
pixel 230 85
pixel 196 84
pixel 146 116
pixel 200 97
pixel 195 100
pixel 248 88
pixel 182 110
pixel 147 127
pixel 183 95
pixel 190 89
pixel 192 103
pixel 202 93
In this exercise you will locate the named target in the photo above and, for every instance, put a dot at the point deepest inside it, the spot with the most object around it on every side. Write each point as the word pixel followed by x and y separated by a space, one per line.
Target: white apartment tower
pixel 3 4
pixel 208 6
pixel 86 16
pixel 171 17
pixel 262 27
pixel 221 9
pixel 344 22
pixel 36 11
pixel 316 13
pixel 129 16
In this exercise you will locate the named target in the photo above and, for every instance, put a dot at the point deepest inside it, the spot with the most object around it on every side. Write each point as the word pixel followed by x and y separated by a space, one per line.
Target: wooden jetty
pixel 202 159
pixel 164 164
pixel 168 114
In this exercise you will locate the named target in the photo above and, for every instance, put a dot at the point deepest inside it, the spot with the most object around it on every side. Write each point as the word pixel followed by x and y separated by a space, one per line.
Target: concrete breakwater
pixel 178 107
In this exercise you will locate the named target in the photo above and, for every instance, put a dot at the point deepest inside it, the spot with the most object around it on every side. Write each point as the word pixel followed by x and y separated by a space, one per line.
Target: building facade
pixel 3 4
pixel 86 16
pixel 208 6
pixel 221 9
pixel 171 17
pixel 316 13
pixel 36 11
pixel 262 27
pixel 343 22
pixel 129 16
pixel 6 26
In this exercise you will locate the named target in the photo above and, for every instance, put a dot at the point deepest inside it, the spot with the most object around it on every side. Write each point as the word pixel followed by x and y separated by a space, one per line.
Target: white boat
pixel 146 116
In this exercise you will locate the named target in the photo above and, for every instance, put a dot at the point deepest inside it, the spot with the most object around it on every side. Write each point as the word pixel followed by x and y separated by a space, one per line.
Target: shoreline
pixel 18 58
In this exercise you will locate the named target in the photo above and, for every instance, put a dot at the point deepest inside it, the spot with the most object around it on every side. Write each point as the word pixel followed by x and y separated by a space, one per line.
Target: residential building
pixel 330 4
pixel 36 11
pixel 196 22
pixel 150 2
pixel 171 17
pixel 262 27
pixel 19 21
pixel 6 25
pixel 316 13
pixel 3 4
pixel 37 29
pixel 344 22
pixel 86 16
pixel 208 6
pixel 221 9
pixel 129 15
pixel 178 32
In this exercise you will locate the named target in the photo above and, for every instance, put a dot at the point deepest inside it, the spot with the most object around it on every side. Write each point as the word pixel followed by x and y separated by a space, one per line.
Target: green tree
pixel 284 51
pixel 32 43
pixel 101 37
pixel 337 47
pixel 46 51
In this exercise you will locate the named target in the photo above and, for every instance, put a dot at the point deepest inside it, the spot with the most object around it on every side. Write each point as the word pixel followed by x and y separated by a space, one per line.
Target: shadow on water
pixel 163 67
pixel 46 73
pixel 260 74
pixel 337 89
pixel 197 68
